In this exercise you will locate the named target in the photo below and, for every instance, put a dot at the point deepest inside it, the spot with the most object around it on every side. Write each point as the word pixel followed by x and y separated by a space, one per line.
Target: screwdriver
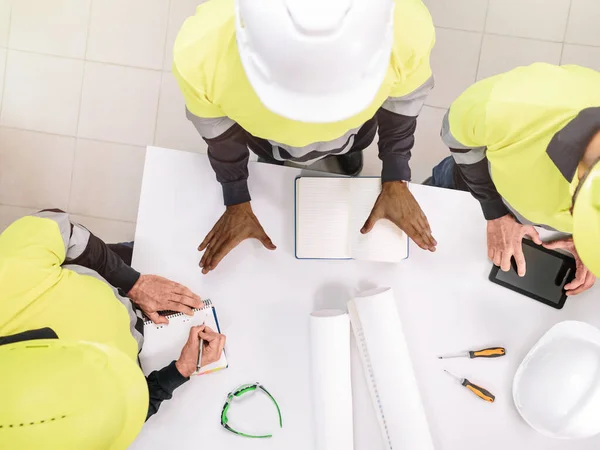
pixel 480 392
pixel 492 352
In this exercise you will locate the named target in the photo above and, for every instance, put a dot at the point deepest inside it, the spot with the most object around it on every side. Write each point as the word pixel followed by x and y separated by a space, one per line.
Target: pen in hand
pixel 200 352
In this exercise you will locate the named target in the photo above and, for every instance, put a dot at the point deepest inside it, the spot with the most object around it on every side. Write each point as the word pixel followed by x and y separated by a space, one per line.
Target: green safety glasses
pixel 243 389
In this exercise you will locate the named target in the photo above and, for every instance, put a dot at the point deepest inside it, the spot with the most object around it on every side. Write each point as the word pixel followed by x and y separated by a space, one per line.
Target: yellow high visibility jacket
pixel 210 74
pixel 36 291
pixel 531 126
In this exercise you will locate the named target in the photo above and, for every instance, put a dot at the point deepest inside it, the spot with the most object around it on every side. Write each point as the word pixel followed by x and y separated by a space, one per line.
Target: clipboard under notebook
pixel 163 343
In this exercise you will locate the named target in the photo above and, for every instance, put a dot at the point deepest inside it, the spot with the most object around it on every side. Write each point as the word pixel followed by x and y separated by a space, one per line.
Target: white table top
pixel 264 298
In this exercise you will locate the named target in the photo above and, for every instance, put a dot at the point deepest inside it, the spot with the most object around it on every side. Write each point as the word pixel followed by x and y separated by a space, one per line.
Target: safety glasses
pixel 244 389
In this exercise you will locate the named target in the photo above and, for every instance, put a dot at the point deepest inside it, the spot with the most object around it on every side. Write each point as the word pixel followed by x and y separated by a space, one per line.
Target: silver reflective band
pixel 210 128
pixel 447 136
pixel 337 146
pixel 473 156
pixel 410 104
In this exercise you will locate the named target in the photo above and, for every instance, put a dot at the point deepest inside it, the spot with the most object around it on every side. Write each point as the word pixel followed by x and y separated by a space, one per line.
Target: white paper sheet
pixel 385 242
pixel 389 371
pixel 322 214
pixel 332 386
pixel 163 343
pixel 330 213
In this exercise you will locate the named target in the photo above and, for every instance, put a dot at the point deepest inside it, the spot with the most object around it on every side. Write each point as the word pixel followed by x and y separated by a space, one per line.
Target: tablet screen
pixel 541 277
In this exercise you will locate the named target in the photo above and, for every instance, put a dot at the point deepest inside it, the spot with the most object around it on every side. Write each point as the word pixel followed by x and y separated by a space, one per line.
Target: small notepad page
pixel 330 213
pixel 163 343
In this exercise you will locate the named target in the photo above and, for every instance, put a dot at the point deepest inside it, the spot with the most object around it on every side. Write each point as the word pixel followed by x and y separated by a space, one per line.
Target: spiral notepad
pixel 163 343
pixel 170 314
pixel 389 372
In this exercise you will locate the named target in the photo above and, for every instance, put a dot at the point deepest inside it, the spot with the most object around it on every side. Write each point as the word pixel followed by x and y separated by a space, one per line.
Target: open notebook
pixel 163 343
pixel 329 215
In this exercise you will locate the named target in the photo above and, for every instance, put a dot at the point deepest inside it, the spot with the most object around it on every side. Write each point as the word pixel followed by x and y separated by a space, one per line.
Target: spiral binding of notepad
pixel 369 368
pixel 171 314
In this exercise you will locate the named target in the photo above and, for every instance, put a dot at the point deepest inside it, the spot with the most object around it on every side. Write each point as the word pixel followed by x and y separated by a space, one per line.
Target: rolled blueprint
pixel 389 371
pixel 332 387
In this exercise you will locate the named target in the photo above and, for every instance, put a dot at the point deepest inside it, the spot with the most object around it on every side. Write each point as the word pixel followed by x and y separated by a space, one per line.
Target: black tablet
pixel 547 273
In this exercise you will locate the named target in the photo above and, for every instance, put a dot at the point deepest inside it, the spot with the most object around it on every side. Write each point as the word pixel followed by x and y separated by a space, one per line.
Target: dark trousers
pixel 447 175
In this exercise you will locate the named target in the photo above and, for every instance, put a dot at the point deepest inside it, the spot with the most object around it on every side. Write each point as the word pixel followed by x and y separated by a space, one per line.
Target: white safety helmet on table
pixel 557 386
pixel 315 61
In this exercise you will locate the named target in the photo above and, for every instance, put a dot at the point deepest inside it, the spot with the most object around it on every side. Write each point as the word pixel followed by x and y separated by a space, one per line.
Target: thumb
pixel 208 334
pixel 534 235
pixel 553 245
pixel 370 223
pixel 266 241
pixel 157 318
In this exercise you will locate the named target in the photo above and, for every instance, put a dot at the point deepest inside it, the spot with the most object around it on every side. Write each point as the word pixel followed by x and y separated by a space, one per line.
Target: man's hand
pixel 397 204
pixel 584 279
pixel 505 240
pixel 237 223
pixel 213 343
pixel 152 293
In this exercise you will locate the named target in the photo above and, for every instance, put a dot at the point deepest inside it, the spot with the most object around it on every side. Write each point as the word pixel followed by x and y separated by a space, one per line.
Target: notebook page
pixel 389 371
pixel 222 362
pixel 322 214
pixel 163 343
pixel 385 242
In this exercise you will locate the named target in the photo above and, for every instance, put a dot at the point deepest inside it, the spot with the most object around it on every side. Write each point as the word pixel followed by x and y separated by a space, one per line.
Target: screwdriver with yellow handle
pixel 492 352
pixel 480 392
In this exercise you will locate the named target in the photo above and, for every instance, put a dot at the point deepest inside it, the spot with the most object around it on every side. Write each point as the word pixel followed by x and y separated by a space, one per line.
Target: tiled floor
pixel 85 86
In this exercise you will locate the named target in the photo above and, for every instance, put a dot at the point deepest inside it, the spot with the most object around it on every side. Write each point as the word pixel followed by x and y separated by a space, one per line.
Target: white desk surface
pixel 264 299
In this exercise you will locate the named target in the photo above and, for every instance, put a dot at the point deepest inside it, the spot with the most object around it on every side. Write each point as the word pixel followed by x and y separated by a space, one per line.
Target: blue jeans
pixel 447 175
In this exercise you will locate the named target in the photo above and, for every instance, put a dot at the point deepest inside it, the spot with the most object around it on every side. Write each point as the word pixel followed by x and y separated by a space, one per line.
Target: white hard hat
pixel 315 60
pixel 557 386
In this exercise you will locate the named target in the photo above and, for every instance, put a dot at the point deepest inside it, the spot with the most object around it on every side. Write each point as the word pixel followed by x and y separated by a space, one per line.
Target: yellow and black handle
pixel 492 352
pixel 480 392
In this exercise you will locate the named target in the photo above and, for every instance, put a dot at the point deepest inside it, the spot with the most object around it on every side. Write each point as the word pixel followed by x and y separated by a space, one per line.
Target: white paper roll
pixel 389 371
pixel 332 386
